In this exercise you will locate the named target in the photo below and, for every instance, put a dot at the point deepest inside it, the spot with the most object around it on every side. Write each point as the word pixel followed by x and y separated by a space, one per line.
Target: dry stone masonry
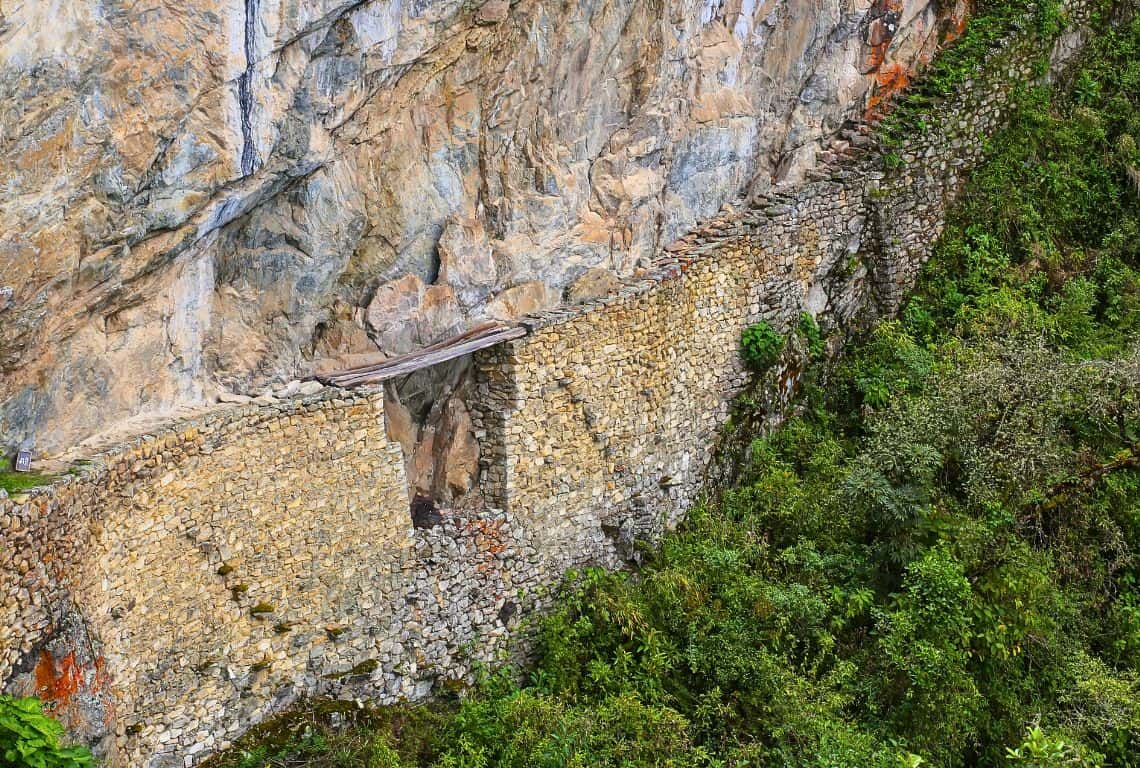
pixel 608 411
pixel 192 557
pixel 184 586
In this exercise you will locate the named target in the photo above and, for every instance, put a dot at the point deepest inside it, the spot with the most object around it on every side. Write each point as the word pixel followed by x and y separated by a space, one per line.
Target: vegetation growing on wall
pixel 933 563
pixel 760 346
pixel 31 739
pixel 18 482
pixel 955 66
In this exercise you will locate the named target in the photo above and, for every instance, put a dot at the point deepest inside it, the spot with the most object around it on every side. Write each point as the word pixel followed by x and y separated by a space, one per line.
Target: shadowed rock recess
pixel 183 585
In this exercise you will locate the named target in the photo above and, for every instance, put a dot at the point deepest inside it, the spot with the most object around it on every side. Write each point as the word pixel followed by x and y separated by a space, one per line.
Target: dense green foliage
pixel 31 739
pixel 935 561
pixel 760 346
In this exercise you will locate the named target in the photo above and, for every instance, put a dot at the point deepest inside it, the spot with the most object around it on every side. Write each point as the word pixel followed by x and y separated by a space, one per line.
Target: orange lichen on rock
pixel 957 20
pixel 892 77
pixel 57 683
pixel 488 536
pixel 889 80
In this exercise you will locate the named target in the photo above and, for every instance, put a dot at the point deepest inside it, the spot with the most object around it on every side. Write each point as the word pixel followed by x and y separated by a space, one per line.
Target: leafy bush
pixel 1042 750
pixel 529 729
pixel 31 739
pixel 808 330
pixel 760 346
pixel 18 482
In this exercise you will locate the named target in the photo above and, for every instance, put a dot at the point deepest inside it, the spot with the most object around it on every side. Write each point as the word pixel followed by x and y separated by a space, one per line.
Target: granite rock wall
pixel 217 194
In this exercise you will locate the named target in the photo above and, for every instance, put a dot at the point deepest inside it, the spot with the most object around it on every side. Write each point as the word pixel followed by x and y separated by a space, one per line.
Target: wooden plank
pixel 416 354
pixel 475 331
pixel 471 341
pixel 410 364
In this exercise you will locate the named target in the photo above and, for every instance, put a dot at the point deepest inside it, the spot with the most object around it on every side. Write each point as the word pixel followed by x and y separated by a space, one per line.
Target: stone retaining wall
pixel 605 413
pixel 185 580
pixel 186 585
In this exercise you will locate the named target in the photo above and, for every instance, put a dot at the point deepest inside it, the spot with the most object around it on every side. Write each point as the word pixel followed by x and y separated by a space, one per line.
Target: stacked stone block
pixel 209 564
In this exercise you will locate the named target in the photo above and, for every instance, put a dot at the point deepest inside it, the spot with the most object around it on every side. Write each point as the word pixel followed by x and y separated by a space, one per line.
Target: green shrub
pixel 18 482
pixel 808 330
pixel 516 728
pixel 31 739
pixel 760 346
pixel 1043 750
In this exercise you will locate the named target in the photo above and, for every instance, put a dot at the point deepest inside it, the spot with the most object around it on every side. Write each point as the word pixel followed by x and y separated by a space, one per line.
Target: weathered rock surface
pixel 209 195
pixel 594 283
pixel 466 263
pixel 405 314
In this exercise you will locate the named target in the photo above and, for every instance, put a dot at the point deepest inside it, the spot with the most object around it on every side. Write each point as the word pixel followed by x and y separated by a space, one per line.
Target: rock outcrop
pixel 208 196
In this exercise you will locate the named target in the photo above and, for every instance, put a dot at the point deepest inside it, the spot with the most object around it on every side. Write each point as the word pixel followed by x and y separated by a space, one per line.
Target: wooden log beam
pixel 477 338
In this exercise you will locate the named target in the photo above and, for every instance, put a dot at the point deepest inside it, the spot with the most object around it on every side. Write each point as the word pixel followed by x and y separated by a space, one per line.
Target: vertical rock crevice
pixel 245 89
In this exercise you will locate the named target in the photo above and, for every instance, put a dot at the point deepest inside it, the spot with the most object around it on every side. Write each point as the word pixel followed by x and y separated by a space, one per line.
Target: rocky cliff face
pixel 214 195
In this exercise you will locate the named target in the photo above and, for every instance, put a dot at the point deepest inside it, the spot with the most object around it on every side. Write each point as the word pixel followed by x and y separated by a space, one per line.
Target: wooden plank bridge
pixel 479 337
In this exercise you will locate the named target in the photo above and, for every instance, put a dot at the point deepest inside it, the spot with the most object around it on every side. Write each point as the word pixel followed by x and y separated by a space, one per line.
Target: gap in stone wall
pixel 427 414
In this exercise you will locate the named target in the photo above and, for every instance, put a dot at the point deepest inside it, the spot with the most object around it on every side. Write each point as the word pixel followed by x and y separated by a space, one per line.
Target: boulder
pixel 593 283
pixel 459 456
pixel 520 300
pixel 465 261
pixel 405 314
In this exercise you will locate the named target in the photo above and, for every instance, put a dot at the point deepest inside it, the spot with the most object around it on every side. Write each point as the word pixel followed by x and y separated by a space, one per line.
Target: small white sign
pixel 24 461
